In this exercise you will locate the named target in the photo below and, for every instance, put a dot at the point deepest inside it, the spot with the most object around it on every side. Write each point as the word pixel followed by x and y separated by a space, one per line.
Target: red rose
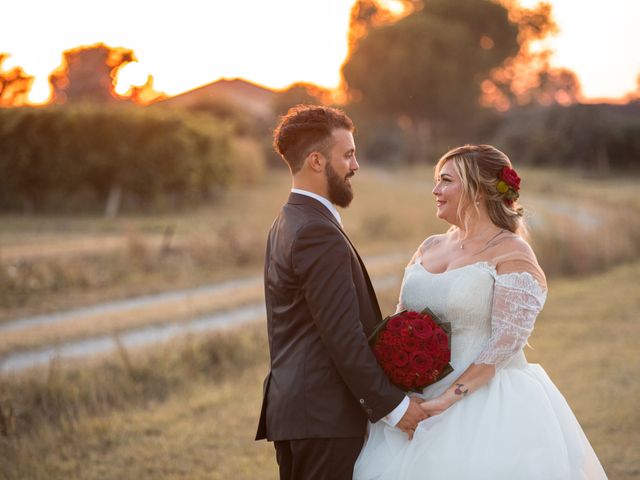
pixel 411 344
pixel 510 176
pixel 420 362
pixel 421 328
pixel 400 358
pixel 387 350
pixel 395 324
pixel 383 352
pixel 412 380
pixel 411 349
pixel 386 336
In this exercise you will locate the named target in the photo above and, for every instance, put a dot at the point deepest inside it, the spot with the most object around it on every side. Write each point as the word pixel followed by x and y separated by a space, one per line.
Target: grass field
pixel 188 409
pixel 189 414
pixel 51 263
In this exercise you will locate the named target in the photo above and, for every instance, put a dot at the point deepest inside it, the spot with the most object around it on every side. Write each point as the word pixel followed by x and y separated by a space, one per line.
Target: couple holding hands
pixel 329 408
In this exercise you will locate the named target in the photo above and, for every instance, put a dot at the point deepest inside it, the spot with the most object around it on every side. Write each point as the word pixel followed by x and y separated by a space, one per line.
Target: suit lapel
pixel 297 199
pixel 372 292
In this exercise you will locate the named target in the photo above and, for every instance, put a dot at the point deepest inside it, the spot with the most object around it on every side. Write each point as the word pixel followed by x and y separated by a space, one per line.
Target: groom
pixel 324 381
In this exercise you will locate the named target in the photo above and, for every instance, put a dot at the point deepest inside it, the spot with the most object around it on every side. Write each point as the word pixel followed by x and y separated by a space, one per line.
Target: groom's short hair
pixel 307 128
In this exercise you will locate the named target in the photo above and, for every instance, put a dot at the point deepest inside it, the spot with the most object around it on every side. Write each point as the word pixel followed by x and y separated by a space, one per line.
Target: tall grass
pixel 564 248
pixel 579 225
pixel 142 266
pixel 189 409
pixel 60 395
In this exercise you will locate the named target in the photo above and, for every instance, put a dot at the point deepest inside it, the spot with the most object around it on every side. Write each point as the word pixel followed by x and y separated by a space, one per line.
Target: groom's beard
pixel 340 192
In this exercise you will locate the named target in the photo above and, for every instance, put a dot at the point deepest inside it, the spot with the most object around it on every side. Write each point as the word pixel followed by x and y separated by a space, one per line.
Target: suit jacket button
pixel 369 411
pixel 362 401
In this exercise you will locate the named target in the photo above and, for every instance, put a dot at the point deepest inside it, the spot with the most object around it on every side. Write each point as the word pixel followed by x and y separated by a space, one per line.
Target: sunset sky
pixel 188 43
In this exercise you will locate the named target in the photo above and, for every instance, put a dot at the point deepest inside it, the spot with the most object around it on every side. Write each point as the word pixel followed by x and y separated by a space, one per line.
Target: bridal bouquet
pixel 414 349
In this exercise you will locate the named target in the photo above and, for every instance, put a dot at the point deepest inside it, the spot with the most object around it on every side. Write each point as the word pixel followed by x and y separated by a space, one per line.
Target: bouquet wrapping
pixel 413 348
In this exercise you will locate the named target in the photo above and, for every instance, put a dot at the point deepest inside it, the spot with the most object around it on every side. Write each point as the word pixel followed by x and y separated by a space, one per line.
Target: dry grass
pixel 167 311
pixel 59 262
pixel 163 311
pixel 585 339
pixel 202 432
pixel 189 410
pixel 60 395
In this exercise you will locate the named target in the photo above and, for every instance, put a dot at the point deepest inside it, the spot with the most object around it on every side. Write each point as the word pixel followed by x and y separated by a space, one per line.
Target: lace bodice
pixel 491 315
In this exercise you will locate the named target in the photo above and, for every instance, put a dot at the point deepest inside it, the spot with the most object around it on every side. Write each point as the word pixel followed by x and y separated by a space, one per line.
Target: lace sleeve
pixel 517 300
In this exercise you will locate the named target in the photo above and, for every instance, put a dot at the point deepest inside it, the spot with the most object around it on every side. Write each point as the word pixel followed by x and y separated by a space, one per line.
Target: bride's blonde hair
pixel 479 168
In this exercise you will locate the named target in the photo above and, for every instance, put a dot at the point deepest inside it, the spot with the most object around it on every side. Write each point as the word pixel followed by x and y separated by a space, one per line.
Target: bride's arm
pixel 517 300
pixel 471 380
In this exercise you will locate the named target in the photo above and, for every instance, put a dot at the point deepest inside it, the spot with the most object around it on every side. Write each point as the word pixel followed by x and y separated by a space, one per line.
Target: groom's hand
pixel 414 415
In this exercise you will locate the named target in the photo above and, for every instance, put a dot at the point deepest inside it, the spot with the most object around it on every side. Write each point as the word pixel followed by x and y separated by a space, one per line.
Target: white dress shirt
pixel 330 206
pixel 397 413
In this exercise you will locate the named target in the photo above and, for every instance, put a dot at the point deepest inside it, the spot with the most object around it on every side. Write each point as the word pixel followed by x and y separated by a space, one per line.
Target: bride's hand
pixel 436 406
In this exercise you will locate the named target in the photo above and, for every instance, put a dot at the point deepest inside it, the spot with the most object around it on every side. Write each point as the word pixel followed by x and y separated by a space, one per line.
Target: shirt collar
pixel 330 206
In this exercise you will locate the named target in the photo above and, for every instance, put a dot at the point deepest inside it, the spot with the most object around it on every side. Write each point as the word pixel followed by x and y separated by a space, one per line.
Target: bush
pixel 51 157
pixel 593 137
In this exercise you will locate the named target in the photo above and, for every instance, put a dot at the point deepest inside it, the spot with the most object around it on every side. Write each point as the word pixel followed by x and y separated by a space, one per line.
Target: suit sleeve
pixel 322 260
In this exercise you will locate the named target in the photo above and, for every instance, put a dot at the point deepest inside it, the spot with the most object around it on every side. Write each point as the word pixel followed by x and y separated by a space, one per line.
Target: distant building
pixel 252 98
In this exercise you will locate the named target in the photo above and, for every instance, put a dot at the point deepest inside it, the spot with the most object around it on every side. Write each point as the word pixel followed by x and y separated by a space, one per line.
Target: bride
pixel 495 417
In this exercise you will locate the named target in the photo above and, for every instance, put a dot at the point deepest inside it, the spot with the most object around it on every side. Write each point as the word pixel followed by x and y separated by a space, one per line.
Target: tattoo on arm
pixel 461 389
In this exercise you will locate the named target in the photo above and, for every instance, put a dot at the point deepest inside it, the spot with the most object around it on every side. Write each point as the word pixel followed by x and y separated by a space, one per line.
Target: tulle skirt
pixel 517 427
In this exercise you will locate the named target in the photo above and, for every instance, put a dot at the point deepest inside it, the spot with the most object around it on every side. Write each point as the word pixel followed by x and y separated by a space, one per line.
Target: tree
pixel 366 14
pixel 528 77
pixel 635 95
pixel 144 94
pixel 88 73
pixel 14 85
pixel 427 68
pixel 88 155
pixel 298 93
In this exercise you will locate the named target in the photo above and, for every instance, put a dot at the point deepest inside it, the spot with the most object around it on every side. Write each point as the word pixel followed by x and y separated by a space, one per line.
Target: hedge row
pixel 92 154
pixel 591 137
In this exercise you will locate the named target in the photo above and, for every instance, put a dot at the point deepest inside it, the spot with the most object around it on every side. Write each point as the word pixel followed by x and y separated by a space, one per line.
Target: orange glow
pixel 278 42
pixel 396 7
pixel 131 75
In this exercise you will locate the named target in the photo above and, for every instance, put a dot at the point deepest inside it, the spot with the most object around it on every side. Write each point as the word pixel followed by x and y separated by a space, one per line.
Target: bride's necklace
pixel 487 242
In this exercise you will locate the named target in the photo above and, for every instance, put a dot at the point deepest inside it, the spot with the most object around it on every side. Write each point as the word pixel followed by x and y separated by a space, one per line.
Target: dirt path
pixel 145 334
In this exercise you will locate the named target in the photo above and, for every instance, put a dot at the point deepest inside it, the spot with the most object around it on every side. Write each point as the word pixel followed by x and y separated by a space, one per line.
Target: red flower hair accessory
pixel 508 185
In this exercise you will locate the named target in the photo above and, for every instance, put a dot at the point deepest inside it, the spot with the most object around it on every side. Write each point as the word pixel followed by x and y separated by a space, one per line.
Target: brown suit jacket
pixel 324 380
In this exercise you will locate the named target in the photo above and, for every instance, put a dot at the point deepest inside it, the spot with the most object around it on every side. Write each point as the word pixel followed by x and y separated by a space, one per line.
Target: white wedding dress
pixel 516 427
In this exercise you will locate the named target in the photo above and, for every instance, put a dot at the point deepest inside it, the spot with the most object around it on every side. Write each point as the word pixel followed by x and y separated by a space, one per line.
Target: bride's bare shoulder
pixel 516 245
pixel 515 255
pixel 430 242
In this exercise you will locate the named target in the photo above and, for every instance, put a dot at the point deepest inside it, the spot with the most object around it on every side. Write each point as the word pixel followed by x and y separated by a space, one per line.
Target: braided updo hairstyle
pixel 307 128
pixel 479 168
